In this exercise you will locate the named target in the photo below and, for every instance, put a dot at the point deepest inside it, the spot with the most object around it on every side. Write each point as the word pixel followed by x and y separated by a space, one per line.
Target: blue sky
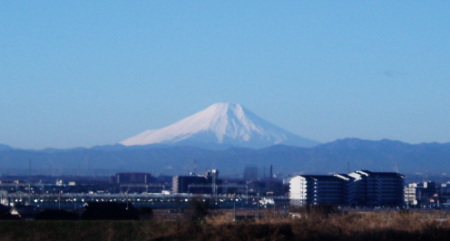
pixel 85 73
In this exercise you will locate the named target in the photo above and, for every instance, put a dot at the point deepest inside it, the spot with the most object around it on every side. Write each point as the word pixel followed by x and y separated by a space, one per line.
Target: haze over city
pixel 85 73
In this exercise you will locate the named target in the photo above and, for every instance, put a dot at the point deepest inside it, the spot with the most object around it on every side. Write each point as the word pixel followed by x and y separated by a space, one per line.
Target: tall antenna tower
pixel 29 181
pixel 270 172
pixel 195 167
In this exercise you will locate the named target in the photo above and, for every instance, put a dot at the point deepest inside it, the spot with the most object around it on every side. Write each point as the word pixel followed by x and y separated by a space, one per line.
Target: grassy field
pixel 219 225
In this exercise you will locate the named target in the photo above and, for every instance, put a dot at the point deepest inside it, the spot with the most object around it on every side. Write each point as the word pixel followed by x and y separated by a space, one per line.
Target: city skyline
pixel 80 74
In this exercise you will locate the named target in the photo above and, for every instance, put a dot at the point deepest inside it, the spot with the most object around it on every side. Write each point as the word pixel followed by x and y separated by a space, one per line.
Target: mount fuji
pixel 221 124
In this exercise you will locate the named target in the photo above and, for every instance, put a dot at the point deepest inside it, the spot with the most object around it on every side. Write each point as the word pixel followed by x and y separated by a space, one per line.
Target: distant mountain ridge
pixel 230 125
pixel 4 147
pixel 334 157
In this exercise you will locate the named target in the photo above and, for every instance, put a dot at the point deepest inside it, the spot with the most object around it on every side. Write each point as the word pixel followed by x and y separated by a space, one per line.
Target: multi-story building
pixel 360 188
pixel 317 190
pixel 209 183
pixel 375 189
pixel 422 194
pixel 444 194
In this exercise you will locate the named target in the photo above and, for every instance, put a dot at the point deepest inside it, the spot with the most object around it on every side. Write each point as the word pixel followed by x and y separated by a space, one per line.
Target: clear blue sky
pixel 84 73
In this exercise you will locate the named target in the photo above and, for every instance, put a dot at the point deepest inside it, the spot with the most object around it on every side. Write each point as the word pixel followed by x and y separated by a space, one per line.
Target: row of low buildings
pixel 427 194
pixel 211 184
pixel 357 189
pixel 360 188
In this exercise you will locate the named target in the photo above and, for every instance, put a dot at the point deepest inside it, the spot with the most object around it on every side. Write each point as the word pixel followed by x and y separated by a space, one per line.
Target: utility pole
pixel 234 208
pixel 258 215
pixel 29 181
pixel 59 199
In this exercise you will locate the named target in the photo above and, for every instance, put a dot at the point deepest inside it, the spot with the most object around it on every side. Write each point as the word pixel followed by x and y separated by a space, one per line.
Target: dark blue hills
pixel 334 157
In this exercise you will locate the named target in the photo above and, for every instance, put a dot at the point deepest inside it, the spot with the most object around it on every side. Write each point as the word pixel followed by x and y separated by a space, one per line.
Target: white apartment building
pixel 317 190
pixel 360 188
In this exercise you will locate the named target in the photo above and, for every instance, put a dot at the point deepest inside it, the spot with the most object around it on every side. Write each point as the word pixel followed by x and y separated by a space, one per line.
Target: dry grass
pixel 219 225
pixel 350 225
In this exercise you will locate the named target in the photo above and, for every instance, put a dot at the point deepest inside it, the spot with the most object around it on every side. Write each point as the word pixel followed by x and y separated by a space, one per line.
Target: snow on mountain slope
pixel 223 124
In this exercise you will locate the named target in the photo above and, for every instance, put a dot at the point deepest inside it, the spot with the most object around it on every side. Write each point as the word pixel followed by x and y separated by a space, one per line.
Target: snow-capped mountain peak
pixel 222 124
